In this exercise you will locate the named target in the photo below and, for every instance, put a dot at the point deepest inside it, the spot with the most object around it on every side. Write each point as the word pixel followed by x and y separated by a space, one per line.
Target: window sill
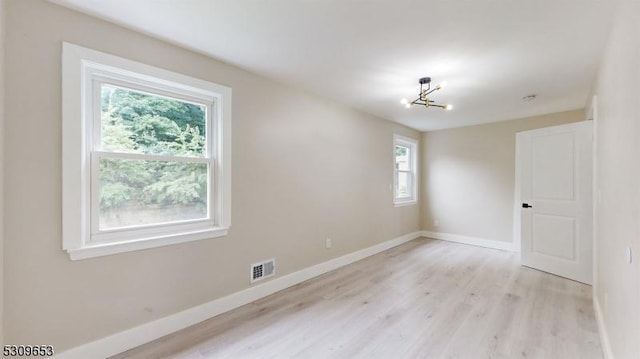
pixel 105 249
pixel 405 203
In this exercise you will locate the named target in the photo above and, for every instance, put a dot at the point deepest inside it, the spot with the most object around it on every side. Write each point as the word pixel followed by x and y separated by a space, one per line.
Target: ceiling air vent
pixel 263 270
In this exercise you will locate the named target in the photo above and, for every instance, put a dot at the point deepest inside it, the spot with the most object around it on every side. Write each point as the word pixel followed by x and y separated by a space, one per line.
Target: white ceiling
pixel 370 53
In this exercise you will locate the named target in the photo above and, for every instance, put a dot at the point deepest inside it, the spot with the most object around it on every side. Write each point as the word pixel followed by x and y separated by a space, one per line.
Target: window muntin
pixel 146 155
pixel 404 170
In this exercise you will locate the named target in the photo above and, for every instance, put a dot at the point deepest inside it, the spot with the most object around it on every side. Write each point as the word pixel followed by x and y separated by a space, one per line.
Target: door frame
pixel 591 116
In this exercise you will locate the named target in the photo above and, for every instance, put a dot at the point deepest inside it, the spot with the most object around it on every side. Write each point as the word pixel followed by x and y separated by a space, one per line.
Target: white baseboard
pixel 602 329
pixel 131 338
pixel 474 241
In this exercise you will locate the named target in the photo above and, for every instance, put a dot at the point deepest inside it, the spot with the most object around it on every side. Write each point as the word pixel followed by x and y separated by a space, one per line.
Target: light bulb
pixel 404 101
pixel 448 107
pixel 407 105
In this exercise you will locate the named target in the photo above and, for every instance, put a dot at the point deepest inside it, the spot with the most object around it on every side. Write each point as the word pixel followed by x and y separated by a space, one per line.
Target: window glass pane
pixel 402 158
pixel 404 185
pixel 141 192
pixel 136 122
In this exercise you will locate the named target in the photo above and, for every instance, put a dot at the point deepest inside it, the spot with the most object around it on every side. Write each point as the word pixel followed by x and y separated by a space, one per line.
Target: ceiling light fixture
pixel 424 92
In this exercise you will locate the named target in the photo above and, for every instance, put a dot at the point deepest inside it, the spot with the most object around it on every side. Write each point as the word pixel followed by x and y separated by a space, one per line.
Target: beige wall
pixel 2 32
pixel 304 169
pixel 469 176
pixel 618 162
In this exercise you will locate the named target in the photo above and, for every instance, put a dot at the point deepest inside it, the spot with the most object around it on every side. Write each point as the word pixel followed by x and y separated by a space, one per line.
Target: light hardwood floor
pixel 424 299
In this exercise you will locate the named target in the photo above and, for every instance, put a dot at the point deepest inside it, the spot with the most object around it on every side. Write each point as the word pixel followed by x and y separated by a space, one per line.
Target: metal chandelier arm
pixel 422 96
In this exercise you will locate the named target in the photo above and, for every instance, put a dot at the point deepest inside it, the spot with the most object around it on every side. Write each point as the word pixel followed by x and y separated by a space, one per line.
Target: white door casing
pixel 555 165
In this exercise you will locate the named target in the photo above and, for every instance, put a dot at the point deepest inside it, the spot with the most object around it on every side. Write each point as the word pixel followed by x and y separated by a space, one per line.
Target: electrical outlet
pixel 327 243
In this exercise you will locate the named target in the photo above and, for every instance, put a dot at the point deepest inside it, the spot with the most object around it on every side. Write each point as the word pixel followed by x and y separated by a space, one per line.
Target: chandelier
pixel 426 90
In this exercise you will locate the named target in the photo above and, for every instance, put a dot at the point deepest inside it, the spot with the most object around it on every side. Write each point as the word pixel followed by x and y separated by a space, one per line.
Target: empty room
pixel 320 179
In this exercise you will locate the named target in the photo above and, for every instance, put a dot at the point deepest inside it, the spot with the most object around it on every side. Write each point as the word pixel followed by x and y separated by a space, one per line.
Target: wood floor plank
pixel 424 299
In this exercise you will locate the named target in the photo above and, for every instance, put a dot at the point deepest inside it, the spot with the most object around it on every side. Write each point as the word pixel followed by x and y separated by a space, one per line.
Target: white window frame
pixel 412 144
pixel 83 72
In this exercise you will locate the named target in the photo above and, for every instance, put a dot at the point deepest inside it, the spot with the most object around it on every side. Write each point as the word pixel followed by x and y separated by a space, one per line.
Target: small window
pixel 405 177
pixel 145 155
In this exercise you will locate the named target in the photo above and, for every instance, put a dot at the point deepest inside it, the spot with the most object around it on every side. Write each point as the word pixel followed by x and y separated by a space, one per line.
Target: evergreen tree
pixel 134 122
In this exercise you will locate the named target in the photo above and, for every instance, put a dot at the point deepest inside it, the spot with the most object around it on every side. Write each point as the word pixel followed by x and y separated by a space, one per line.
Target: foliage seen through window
pixel 144 191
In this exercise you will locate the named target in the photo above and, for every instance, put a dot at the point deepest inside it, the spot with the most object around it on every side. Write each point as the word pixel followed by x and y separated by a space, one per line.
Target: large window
pixel 145 155
pixel 404 170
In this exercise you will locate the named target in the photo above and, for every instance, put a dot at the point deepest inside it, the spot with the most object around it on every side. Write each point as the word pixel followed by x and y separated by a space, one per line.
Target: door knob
pixel 526 205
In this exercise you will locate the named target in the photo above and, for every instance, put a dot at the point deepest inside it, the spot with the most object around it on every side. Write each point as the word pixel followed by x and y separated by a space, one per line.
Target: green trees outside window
pixel 145 191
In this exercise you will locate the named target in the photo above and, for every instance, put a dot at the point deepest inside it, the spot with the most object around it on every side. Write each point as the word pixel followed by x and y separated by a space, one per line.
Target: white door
pixel 555 172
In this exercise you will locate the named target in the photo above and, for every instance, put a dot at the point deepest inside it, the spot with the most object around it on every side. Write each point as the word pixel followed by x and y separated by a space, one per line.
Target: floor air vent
pixel 263 270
